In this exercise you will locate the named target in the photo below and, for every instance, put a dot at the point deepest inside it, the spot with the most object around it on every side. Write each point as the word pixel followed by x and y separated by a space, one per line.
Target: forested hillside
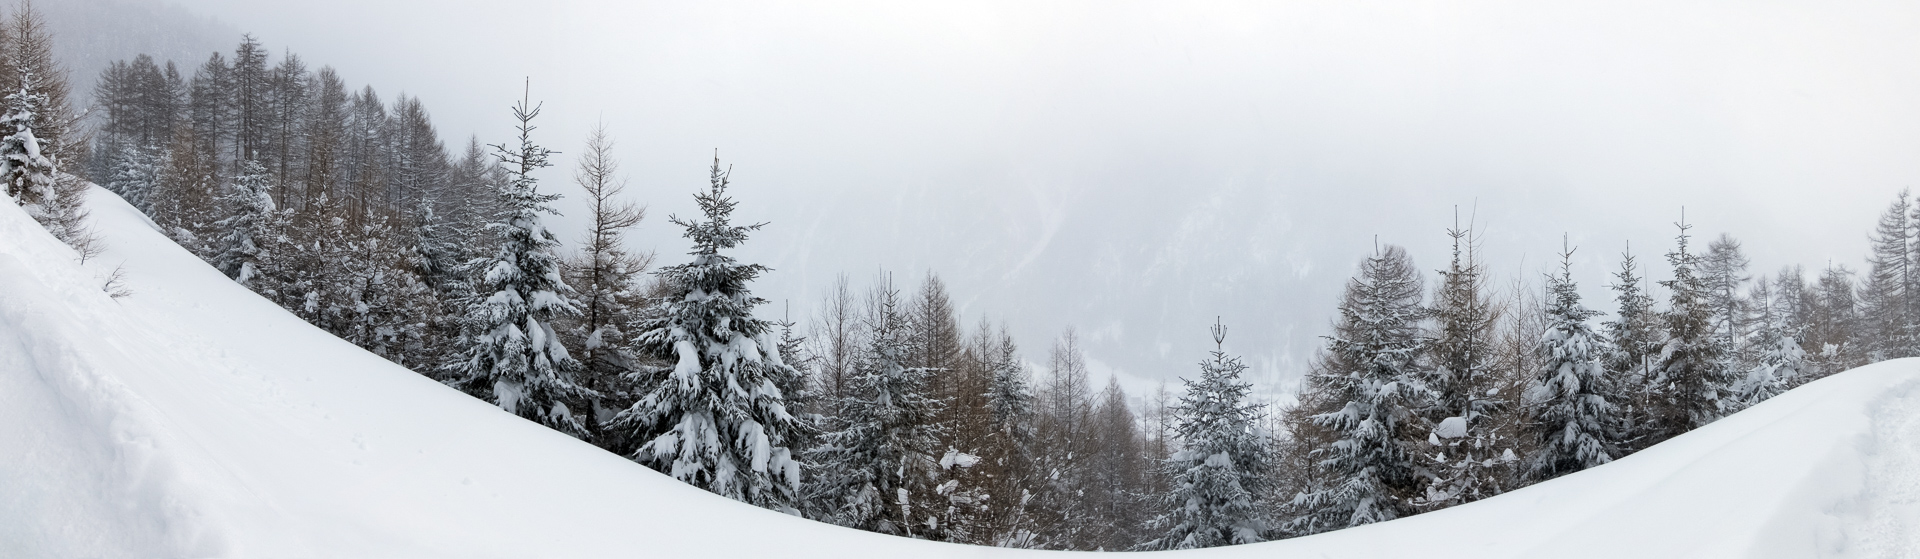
pixel 887 411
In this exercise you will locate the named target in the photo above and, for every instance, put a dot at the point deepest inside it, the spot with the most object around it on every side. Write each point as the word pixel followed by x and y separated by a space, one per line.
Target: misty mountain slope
pixel 194 419
pixel 91 34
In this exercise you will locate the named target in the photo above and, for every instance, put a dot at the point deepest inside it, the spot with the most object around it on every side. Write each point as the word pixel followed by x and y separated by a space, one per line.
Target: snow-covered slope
pixel 193 419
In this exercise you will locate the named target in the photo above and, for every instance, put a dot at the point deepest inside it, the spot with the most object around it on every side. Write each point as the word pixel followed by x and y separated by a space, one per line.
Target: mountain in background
pixel 90 34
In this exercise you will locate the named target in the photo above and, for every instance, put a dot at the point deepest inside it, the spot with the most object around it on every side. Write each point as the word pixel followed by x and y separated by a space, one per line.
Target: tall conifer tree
pixel 1886 297
pixel 1779 357
pixel 1723 270
pixel 878 463
pixel 1220 473
pixel 40 150
pixel 1570 400
pixel 1369 472
pixel 1634 337
pixel 1693 379
pixel 1008 449
pixel 211 109
pixel 249 230
pixel 516 360
pixel 717 419
pixel 25 165
pixel 605 272
pixel 1469 462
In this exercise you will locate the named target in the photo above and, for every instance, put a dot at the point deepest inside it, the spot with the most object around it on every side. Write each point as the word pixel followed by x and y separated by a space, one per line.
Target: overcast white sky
pixel 1137 168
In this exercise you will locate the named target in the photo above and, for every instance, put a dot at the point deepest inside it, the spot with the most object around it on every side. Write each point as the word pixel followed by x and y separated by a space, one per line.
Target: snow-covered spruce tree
pixel 133 174
pixel 1783 364
pixel 1469 458
pixel 438 258
pixel 1007 445
pixel 516 359
pixel 29 65
pixel 1568 401
pixel 1369 473
pixel 250 229
pixel 1692 383
pixel 1220 472
pixel 1792 301
pixel 881 452
pixel 29 167
pixel 717 419
pixel 803 396
pixel 1010 399
pixel 37 140
pixel 1634 341
pixel 440 249
pixel 25 167
pixel 452 239
pixel 1780 361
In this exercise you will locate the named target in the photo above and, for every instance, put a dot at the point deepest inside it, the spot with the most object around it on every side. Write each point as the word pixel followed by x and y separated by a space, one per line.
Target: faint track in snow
pixel 1888 521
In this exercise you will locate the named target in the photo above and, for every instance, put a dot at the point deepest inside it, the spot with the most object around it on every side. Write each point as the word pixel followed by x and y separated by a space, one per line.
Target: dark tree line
pixel 888 414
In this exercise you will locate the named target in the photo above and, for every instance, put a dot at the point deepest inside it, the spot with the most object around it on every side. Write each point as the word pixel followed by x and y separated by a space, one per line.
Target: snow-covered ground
pixel 193 419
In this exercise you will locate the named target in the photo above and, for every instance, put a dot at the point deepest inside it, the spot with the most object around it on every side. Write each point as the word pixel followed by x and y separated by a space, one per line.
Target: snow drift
pixel 194 419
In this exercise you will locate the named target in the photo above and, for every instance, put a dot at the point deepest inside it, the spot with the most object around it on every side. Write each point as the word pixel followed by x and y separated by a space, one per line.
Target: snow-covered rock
pixel 1451 428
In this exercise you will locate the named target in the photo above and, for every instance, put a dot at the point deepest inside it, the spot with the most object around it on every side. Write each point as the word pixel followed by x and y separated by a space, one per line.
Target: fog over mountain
pixel 90 34
pixel 1137 169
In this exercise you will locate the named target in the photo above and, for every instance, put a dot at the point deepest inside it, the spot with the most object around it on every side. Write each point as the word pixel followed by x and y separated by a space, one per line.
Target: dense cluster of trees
pixel 346 210
pixel 883 412
pixel 1415 406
